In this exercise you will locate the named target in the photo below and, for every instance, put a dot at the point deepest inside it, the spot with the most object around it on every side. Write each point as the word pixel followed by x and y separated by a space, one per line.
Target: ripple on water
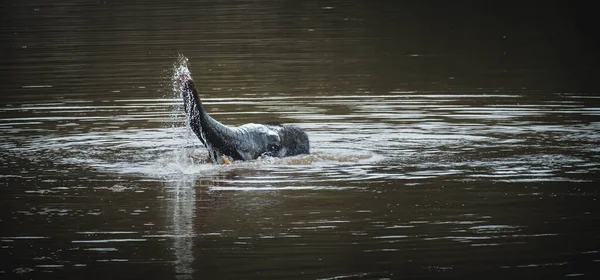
pixel 395 136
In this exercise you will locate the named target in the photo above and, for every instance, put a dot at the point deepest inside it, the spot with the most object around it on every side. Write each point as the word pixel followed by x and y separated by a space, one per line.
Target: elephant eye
pixel 273 147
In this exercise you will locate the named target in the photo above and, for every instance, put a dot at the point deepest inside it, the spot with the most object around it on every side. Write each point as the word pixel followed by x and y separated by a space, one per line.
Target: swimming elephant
pixel 246 142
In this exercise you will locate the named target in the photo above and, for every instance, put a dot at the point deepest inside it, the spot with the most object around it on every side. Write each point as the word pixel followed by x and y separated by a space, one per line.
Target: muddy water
pixel 444 144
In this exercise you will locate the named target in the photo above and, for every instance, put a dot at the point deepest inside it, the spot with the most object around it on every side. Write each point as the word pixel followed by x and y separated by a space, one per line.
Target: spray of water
pixel 183 157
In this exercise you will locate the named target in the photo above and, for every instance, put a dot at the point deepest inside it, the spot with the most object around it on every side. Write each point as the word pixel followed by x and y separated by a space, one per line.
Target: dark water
pixel 455 141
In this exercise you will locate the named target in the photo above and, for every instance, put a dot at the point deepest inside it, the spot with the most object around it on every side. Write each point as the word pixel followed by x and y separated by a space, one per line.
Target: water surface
pixel 443 144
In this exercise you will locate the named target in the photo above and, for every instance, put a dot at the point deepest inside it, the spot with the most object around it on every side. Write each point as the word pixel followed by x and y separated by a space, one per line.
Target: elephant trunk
pixel 217 138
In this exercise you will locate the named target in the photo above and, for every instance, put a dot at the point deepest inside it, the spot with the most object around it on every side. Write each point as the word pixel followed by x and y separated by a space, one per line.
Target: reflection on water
pixel 183 205
pixel 445 144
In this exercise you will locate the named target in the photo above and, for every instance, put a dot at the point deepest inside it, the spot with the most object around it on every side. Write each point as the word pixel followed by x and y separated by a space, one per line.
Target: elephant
pixel 246 142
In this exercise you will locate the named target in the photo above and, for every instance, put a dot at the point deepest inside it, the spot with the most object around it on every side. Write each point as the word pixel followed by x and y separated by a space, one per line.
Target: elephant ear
pixel 295 140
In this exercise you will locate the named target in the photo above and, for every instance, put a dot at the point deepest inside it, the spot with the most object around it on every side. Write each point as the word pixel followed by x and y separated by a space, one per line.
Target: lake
pixel 448 141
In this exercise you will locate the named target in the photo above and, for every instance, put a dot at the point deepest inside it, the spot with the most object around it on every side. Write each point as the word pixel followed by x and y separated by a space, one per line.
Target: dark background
pixel 411 45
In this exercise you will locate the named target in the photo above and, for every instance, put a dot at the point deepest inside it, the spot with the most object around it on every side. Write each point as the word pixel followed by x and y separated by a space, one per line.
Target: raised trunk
pixel 218 138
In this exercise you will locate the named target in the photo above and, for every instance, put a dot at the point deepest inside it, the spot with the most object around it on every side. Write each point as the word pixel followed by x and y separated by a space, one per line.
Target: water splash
pixel 181 72
pixel 183 157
